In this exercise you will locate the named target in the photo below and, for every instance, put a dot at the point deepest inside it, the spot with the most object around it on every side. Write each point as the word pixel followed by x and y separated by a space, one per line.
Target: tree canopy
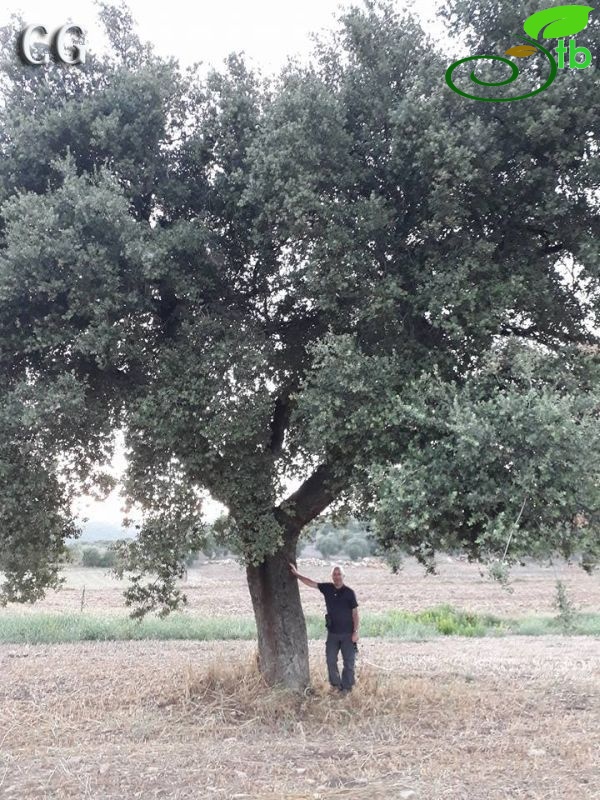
pixel 344 275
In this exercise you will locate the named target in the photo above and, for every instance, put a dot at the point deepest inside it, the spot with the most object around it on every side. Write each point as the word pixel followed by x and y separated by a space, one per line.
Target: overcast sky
pixel 268 31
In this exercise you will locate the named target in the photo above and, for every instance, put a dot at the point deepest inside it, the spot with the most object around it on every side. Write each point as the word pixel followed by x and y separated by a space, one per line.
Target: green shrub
pixel 566 609
pixel 92 557
pixel 393 558
pixel 328 545
pixel 109 558
pixel 357 547
pixel 373 545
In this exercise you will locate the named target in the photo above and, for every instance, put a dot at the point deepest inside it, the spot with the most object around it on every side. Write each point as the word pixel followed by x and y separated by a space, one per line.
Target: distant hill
pixel 94 531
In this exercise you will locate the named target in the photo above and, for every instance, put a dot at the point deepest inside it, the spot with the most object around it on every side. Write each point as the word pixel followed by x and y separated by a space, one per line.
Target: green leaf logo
pixel 557 22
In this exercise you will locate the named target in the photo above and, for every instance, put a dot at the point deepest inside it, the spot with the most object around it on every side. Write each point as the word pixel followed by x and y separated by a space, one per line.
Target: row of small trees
pixel 91 556
pixel 352 539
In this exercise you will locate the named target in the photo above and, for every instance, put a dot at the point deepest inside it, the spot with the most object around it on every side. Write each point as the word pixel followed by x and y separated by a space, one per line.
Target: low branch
pixel 315 494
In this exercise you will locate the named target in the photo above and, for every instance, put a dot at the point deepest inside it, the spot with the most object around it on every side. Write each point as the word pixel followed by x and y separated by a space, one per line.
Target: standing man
pixel 342 626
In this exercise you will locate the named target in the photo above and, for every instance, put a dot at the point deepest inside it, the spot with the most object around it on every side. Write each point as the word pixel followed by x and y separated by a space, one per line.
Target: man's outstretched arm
pixel 303 578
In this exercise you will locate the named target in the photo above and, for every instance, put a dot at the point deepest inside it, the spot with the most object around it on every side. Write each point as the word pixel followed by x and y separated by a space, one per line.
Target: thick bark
pixel 280 624
pixel 282 638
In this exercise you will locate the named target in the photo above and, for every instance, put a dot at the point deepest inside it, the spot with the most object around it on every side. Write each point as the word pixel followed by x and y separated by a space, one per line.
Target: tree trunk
pixel 280 623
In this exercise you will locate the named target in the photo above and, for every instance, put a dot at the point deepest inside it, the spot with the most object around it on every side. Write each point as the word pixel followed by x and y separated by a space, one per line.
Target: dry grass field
pixel 220 590
pixel 452 717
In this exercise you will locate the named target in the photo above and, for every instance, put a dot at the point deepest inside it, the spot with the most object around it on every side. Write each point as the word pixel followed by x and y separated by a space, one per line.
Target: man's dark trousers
pixel 336 642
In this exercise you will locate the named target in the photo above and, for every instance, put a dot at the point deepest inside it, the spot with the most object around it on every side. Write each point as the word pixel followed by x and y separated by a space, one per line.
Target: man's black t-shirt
pixel 340 603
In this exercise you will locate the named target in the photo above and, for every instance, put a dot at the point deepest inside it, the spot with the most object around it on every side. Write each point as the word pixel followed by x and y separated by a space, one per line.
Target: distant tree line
pixel 352 538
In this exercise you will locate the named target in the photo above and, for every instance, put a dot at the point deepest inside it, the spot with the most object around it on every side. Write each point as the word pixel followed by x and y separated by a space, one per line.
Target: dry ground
pixel 478 719
pixel 451 718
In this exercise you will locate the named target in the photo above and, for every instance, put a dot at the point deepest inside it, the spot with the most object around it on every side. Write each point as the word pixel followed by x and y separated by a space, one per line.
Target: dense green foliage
pixel 345 276
pixel 512 458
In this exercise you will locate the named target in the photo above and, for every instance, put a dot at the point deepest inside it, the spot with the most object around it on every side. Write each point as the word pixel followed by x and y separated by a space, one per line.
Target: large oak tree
pixel 346 276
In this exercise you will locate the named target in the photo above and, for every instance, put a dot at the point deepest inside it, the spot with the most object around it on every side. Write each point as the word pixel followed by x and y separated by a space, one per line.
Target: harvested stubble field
pixel 479 719
pixel 219 589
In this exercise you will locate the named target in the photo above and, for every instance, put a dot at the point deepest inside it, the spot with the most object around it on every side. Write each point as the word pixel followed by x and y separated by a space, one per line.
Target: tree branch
pixel 280 421
pixel 516 330
pixel 315 494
